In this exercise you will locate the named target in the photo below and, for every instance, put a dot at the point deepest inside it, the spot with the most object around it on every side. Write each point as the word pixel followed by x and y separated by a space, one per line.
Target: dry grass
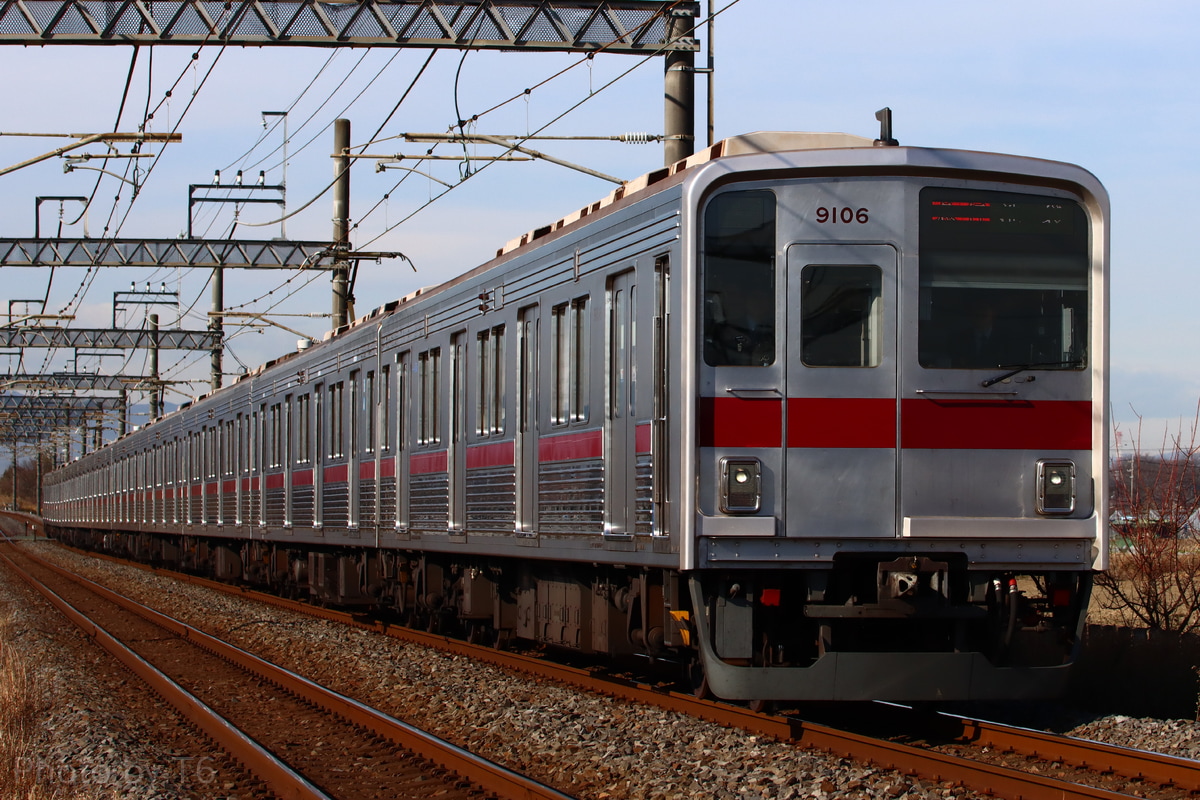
pixel 27 772
pixel 24 707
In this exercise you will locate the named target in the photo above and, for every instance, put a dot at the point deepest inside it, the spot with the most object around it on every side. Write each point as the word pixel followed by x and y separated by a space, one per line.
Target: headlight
pixel 741 485
pixel 1056 487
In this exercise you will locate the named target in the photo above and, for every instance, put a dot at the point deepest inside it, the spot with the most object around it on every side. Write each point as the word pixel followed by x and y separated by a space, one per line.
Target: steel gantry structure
pixel 612 26
pixel 630 27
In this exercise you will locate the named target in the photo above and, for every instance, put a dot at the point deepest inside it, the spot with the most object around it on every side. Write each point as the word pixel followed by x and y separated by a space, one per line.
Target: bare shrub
pixel 1154 578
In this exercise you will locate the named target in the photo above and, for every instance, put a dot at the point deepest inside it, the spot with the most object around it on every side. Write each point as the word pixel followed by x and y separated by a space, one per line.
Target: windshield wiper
pixel 1016 370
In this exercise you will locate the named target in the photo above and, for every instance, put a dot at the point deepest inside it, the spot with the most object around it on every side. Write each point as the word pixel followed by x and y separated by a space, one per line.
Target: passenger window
pixel 841 316
pixel 739 279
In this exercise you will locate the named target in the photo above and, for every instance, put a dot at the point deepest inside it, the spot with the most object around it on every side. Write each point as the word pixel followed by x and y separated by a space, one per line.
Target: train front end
pixel 898 424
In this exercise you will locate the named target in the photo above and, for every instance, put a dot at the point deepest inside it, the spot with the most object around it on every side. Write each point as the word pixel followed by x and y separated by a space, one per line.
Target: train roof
pixel 651 182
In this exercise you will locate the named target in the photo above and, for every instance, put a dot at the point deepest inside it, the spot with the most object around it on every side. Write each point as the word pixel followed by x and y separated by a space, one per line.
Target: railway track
pixel 300 739
pixel 995 759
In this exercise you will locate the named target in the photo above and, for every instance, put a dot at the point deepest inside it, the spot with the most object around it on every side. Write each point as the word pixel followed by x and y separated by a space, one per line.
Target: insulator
pixel 636 138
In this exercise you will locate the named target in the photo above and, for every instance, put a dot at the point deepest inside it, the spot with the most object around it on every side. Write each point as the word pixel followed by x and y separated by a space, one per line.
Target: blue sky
pixel 1110 86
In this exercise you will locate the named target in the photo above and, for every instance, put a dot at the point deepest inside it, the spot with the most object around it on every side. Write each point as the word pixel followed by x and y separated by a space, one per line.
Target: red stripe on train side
pixel 493 454
pixel 842 422
pixel 228 487
pixel 571 446
pixel 954 424
pixel 644 438
pixel 366 470
pixel 302 477
pixel 426 463
pixel 738 422
pixel 274 481
pixel 387 467
pixel 339 473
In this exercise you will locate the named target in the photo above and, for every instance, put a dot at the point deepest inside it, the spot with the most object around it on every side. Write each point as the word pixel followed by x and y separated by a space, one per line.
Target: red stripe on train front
pixel 738 422
pixel 842 422
pixel 926 424
pixel 953 424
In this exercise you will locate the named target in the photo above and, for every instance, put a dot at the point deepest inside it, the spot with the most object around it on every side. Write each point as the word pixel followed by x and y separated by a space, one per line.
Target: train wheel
pixel 480 632
pixel 761 706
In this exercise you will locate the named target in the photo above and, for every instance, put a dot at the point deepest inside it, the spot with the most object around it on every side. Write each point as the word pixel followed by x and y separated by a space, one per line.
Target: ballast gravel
pixel 587 746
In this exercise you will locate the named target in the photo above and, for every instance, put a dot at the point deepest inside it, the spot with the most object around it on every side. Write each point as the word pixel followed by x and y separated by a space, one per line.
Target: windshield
pixel 1003 280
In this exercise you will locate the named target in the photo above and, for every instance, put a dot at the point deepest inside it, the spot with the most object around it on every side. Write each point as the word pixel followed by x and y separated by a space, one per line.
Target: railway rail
pixel 982 756
pixel 254 709
pixel 974 745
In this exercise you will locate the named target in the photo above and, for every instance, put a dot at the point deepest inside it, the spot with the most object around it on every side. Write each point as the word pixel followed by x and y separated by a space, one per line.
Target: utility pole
pixel 679 92
pixel 216 324
pixel 122 413
pixel 341 222
pixel 155 400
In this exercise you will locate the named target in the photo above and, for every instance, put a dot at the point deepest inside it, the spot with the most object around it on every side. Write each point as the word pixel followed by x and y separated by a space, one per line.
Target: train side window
pixel 569 359
pixel 428 369
pixel 739 279
pixel 841 316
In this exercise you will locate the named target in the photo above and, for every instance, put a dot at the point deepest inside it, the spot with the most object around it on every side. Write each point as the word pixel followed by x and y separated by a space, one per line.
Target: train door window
pixel 841 316
pixel 428 369
pixel 227 451
pixel 622 373
pixel 303 429
pixel 385 408
pixel 457 387
pixel 276 435
pixel 402 383
pixel 403 364
pixel 739 279
pixel 491 381
pixel 337 419
pixel 354 415
pixel 370 412
pixel 569 358
pixel 256 439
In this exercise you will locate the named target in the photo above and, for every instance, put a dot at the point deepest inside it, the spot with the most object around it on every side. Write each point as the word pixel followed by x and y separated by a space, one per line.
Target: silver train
pixel 815 418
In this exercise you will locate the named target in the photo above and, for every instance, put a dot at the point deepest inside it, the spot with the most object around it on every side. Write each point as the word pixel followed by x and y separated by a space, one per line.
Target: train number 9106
pixel 843 215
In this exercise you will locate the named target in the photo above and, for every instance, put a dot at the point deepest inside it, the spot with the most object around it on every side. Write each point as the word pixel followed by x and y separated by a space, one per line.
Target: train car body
pixel 825 419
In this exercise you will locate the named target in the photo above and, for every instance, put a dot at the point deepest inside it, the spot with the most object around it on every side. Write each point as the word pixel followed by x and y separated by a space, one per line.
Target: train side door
pixel 620 421
pixel 841 416
pixel 527 425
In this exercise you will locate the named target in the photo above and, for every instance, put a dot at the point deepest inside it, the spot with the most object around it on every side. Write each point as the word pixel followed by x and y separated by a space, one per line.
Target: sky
pixel 1111 86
